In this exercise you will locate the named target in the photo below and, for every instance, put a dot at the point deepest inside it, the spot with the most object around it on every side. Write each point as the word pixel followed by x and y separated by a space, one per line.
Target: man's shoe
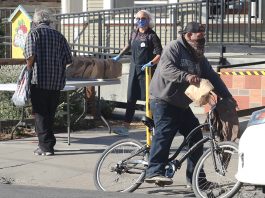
pixel 189 186
pixel 38 151
pixel 159 179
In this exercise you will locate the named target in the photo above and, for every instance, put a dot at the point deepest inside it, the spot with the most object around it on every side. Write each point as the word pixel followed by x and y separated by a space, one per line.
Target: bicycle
pixel 121 167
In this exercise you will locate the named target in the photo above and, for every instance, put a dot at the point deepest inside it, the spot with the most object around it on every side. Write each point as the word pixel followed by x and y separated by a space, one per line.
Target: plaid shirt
pixel 52 54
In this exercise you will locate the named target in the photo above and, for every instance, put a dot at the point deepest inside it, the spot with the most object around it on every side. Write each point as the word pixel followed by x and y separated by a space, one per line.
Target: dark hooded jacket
pixel 169 81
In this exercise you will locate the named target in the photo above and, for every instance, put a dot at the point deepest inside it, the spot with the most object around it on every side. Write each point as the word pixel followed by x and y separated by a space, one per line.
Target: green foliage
pixel 76 110
pixel 106 108
pixel 7 109
pixel 8 112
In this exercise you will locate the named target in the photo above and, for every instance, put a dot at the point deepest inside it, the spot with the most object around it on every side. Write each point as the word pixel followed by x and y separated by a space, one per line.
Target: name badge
pixel 142 44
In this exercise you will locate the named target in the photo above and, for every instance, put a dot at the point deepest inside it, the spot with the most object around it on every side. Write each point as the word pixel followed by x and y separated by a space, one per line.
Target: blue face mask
pixel 142 23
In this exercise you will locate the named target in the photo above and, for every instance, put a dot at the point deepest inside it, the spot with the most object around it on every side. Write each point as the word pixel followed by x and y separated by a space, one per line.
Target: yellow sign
pixel 21 22
pixel 20 29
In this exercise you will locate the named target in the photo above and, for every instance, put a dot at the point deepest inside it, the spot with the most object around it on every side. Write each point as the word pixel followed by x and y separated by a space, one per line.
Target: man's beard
pixel 198 47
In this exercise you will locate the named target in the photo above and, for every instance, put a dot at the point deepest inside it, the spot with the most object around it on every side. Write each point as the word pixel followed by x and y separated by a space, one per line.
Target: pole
pixel 148 112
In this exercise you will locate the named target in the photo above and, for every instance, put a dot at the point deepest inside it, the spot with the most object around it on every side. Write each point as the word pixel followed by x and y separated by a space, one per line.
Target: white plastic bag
pixel 22 94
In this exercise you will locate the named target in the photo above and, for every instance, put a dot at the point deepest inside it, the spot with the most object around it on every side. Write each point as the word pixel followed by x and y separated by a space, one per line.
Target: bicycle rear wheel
pixel 221 182
pixel 121 167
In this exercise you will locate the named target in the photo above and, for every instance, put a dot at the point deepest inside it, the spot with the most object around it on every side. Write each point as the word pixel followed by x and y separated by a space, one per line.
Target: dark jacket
pixel 169 80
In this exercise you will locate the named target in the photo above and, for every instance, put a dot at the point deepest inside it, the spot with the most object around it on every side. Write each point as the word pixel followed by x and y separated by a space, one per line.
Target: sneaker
pixel 159 179
pixel 189 186
pixel 123 131
pixel 38 151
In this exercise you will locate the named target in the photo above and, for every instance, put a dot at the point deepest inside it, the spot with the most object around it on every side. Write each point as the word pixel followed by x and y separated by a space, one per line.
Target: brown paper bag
pixel 200 93
pixel 93 68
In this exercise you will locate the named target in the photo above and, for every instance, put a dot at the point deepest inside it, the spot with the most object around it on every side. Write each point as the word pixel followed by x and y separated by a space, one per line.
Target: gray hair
pixel 149 16
pixel 42 15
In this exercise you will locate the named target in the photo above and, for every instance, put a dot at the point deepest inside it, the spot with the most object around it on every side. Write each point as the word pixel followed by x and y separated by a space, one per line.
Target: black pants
pixel 44 104
pixel 130 111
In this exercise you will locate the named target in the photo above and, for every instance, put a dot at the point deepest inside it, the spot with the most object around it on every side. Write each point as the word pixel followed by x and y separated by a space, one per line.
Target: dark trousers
pixel 136 91
pixel 130 111
pixel 168 121
pixel 44 104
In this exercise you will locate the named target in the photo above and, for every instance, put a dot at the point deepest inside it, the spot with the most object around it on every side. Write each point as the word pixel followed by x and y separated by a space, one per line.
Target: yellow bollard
pixel 148 113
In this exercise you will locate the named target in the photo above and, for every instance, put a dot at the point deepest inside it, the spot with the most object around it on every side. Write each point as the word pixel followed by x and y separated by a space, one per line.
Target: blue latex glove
pixel 116 58
pixel 150 64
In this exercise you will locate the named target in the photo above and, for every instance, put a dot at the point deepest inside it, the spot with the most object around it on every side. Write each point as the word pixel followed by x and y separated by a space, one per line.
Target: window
pixel 70 6
pixel 122 3
pixel 237 8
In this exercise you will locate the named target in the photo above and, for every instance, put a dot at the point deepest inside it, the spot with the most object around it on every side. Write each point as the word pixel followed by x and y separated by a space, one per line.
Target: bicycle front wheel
pixel 121 167
pixel 220 180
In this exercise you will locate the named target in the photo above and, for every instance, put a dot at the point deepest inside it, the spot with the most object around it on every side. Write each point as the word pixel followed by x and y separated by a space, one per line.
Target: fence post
pixel 249 22
pixel 175 23
pixel 222 21
pixel 99 33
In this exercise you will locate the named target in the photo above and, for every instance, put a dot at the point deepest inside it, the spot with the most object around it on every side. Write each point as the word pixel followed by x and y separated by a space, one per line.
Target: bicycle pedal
pixel 160 184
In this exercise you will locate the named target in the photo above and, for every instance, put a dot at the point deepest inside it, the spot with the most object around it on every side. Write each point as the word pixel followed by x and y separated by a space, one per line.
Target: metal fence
pixel 5 32
pixel 105 32
pixel 235 22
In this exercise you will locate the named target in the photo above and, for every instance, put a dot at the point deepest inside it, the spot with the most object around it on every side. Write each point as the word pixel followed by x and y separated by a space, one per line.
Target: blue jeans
pixel 168 121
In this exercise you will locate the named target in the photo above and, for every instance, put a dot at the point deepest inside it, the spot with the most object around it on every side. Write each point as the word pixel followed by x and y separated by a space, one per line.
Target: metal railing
pixel 106 32
pixel 235 22
pixel 103 33
pixel 5 32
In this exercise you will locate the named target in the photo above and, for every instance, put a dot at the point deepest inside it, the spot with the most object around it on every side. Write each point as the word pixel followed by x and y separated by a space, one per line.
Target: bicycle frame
pixel 178 162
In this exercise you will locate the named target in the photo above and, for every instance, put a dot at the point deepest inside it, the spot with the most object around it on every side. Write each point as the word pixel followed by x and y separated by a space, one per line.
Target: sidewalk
pixel 71 166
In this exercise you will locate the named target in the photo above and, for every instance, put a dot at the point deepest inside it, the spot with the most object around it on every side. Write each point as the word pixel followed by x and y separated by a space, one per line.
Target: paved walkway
pixel 72 166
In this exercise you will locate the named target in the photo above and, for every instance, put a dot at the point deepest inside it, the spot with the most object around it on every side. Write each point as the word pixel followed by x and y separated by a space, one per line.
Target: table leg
pixel 14 129
pixel 20 123
pixel 84 107
pixel 99 112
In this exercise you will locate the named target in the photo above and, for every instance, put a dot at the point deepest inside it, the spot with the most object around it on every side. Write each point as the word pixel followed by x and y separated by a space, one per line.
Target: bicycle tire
pixel 111 175
pixel 216 184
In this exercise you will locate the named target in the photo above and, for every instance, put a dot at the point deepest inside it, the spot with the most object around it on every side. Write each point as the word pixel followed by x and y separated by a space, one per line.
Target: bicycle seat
pixel 148 122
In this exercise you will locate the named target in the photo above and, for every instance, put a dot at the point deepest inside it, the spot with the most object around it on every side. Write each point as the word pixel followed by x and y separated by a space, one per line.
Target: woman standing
pixel 146 49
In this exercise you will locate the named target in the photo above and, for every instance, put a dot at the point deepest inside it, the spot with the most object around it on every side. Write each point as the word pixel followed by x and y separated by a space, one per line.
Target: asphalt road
pixel 18 191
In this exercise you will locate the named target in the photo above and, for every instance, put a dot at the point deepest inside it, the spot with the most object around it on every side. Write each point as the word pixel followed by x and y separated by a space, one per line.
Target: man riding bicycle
pixel 182 63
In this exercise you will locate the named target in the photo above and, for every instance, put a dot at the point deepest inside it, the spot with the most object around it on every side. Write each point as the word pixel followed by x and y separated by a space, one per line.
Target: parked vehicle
pixel 251 165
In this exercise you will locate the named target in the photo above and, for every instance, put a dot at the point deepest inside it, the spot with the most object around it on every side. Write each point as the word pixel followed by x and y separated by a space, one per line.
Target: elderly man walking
pixel 47 53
